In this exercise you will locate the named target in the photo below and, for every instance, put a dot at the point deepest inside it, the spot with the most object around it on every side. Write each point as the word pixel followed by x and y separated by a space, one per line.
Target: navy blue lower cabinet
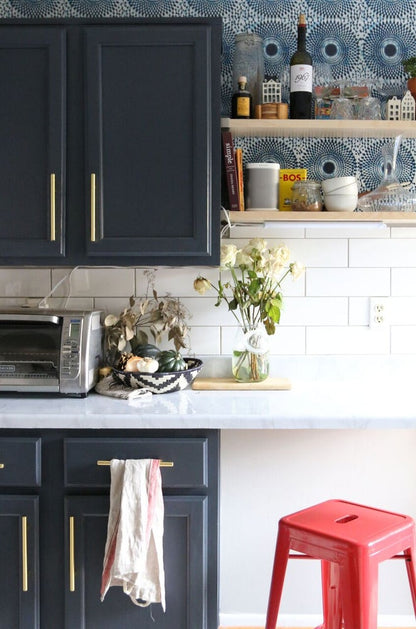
pixel 57 482
pixel 184 559
pixel 19 573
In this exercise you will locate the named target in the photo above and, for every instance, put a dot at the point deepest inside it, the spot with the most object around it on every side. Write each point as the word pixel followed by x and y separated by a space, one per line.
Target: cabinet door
pixel 153 143
pixel 185 560
pixel 19 552
pixel 32 79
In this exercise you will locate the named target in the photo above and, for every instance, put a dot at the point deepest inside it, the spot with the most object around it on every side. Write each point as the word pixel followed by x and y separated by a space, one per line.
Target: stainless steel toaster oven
pixel 49 351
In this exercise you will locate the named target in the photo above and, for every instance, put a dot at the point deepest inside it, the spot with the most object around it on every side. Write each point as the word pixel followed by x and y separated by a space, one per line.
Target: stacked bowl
pixel 340 194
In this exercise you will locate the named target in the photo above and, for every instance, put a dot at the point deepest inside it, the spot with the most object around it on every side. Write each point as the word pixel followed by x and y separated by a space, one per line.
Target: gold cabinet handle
pixel 71 554
pixel 162 463
pixel 2 466
pixel 53 207
pixel 24 554
pixel 92 207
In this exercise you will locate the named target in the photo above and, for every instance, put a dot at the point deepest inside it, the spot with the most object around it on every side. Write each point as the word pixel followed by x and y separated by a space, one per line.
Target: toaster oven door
pixel 30 353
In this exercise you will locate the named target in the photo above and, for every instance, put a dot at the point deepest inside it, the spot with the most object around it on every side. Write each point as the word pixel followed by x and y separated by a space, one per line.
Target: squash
pixel 171 360
pixel 141 364
pixel 146 349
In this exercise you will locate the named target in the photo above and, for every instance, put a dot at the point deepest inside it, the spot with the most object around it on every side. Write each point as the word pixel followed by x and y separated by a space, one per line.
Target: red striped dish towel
pixel 133 555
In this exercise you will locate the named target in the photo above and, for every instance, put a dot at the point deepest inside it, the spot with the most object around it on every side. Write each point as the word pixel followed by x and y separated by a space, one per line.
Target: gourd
pixel 171 360
pixel 146 349
pixel 145 364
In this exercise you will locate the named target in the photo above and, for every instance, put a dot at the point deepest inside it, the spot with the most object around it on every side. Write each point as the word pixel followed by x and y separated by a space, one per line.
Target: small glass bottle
pixel 241 103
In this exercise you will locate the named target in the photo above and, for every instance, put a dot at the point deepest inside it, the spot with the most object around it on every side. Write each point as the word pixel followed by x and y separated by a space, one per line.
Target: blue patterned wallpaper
pixel 357 38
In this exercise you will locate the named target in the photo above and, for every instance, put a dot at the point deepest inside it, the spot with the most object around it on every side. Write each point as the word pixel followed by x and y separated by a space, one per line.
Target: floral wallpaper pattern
pixel 364 39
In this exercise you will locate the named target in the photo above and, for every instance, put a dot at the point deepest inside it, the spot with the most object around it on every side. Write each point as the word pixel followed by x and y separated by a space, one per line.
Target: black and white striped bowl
pixel 159 382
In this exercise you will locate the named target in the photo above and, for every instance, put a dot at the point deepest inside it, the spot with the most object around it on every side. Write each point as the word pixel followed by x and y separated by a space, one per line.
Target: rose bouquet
pixel 253 295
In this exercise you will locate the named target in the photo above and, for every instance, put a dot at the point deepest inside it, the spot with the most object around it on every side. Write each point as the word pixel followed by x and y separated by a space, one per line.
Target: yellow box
pixel 287 177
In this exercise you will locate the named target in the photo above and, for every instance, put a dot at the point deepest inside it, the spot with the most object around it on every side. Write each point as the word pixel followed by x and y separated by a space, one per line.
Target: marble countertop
pixel 324 395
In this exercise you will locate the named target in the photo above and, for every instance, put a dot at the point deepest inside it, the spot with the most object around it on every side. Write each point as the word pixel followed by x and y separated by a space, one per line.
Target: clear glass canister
pixel 306 196
pixel 248 61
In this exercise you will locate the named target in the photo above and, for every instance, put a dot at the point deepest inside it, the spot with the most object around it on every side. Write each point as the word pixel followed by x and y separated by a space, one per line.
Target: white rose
pixel 228 255
pixel 243 258
pixel 280 255
pixel 258 243
pixel 297 269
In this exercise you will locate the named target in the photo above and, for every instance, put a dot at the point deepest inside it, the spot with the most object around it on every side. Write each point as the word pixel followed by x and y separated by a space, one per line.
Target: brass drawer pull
pixel 162 463
pixel 53 208
pixel 92 207
pixel 2 466
pixel 24 554
pixel 71 554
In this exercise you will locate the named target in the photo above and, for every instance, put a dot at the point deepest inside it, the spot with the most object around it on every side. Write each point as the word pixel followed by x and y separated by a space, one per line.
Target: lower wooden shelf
pixel 256 217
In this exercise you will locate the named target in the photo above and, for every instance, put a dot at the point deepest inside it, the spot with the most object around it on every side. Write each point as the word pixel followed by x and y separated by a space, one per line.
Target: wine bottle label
pixel 243 106
pixel 301 78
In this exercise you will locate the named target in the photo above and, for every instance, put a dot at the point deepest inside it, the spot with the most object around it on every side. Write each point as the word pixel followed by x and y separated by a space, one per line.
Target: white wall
pixel 267 474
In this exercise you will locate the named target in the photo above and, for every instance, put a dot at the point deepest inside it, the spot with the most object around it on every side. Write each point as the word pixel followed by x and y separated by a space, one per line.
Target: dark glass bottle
pixel 301 76
pixel 241 102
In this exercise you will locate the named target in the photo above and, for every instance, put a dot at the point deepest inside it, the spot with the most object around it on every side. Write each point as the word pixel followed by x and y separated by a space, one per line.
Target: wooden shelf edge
pixel 320 128
pixel 265 216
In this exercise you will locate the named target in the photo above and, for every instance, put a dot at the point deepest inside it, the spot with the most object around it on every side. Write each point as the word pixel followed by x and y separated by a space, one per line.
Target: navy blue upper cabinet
pixel 141 136
pixel 32 142
pixel 150 100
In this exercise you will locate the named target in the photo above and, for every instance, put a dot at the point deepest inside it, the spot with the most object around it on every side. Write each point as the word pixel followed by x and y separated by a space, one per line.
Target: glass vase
pixel 250 357
pixel 249 62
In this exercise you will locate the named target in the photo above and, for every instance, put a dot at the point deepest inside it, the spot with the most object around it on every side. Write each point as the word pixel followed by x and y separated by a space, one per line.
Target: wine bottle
pixel 301 76
pixel 241 102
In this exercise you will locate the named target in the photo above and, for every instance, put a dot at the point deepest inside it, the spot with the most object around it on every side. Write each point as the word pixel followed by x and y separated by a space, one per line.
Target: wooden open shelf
pixel 320 128
pixel 258 217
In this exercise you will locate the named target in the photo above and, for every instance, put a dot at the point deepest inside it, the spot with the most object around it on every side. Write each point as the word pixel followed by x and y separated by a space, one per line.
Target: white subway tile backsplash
pixel 403 281
pixel 315 311
pixel 24 282
pixel 205 340
pixel 403 339
pixel 97 282
pixel 326 311
pixel 347 282
pixel 347 340
pixel 383 253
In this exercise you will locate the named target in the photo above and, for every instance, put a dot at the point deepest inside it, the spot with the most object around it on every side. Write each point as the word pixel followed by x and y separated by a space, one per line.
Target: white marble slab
pixel 326 394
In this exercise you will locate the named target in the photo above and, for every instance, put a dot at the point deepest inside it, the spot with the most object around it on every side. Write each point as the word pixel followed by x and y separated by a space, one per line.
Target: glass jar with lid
pixel 306 196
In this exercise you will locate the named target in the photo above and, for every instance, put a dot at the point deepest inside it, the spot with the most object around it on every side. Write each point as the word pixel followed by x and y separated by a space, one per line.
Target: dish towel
pixel 133 555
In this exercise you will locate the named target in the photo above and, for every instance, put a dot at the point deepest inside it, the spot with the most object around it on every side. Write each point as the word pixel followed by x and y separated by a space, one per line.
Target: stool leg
pixel 331 595
pixel 279 570
pixel 359 592
pixel 411 573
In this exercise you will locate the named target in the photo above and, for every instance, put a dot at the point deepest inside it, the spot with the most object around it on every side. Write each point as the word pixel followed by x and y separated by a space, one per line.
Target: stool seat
pixel 350 540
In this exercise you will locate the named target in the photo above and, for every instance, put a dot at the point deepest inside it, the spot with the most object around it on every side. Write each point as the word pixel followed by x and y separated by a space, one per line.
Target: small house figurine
pixel 272 91
pixel 408 107
pixel 401 109
pixel 394 108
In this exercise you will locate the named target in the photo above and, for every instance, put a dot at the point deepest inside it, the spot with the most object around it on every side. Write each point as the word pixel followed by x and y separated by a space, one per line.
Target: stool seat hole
pixel 346 518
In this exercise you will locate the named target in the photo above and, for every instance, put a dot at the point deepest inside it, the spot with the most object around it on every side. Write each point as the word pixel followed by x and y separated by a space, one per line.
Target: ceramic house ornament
pixel 401 109
pixel 408 107
pixel 272 91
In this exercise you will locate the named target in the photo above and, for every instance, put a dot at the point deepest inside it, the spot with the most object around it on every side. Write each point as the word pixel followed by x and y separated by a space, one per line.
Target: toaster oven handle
pixel 43 318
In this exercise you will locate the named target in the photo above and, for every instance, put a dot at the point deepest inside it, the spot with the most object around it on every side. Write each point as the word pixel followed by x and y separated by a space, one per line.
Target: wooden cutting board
pixel 229 384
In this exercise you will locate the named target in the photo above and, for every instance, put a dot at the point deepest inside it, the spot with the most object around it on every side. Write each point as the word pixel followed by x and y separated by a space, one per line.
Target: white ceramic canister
pixel 262 186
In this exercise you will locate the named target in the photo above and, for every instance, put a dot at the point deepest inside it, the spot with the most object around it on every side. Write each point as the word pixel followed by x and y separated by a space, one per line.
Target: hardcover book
pixel 230 170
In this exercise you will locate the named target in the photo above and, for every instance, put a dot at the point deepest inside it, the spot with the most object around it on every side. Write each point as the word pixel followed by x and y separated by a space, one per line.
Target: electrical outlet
pixel 379 315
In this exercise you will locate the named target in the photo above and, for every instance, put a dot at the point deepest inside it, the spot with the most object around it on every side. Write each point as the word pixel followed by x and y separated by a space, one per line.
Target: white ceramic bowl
pixel 341 202
pixel 330 185
pixel 350 188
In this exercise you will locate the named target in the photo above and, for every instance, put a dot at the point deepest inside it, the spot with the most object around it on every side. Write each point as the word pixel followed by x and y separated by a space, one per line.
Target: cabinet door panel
pixel 32 79
pixel 185 569
pixel 150 142
pixel 19 598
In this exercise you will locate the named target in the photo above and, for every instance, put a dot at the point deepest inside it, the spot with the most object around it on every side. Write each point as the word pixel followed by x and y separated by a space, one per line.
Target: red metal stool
pixel 350 540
